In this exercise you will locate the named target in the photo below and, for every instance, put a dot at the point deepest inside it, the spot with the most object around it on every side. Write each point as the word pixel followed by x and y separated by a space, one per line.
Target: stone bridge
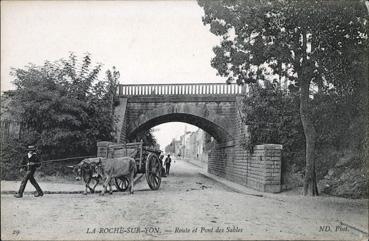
pixel 216 109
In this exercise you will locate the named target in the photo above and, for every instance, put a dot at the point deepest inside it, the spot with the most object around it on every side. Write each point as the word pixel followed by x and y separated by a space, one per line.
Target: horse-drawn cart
pixel 147 161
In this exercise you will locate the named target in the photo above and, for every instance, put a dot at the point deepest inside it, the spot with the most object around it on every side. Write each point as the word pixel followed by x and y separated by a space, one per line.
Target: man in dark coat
pixel 162 169
pixel 30 163
pixel 167 162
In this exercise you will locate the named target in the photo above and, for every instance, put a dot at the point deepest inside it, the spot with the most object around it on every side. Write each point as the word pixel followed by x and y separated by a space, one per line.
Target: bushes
pixel 64 108
pixel 273 117
pixel 12 152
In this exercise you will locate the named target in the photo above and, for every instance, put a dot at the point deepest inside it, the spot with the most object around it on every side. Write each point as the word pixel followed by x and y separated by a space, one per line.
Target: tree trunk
pixel 310 184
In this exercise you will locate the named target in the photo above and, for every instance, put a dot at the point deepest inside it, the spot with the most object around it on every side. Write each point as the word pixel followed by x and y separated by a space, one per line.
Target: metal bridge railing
pixel 181 89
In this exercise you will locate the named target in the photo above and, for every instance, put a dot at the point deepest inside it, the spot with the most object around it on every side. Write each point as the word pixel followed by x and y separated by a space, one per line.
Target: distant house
pixel 171 147
pixel 195 145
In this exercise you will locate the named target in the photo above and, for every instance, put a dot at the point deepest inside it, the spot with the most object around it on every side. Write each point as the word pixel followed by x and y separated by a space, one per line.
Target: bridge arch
pixel 152 120
pixel 215 108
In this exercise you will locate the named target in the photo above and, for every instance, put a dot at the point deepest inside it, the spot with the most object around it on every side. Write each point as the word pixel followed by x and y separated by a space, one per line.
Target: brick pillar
pixel 265 168
pixel 123 132
pixel 121 125
pixel 217 161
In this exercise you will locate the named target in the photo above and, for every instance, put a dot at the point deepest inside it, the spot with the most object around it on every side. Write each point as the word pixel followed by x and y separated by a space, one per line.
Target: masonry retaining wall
pixel 260 170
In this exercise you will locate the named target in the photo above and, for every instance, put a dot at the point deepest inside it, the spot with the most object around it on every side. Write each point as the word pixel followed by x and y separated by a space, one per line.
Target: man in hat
pixel 30 162
pixel 162 169
pixel 167 163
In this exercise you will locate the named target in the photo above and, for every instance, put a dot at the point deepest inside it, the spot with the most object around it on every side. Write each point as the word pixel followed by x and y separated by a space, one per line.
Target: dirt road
pixel 187 206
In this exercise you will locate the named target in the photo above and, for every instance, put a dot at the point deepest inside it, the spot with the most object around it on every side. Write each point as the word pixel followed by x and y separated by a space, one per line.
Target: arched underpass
pixel 215 108
pixel 220 134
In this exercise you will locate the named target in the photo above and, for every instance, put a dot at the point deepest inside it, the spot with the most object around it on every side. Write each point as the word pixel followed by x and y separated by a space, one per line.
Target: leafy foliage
pixel 147 138
pixel 64 107
pixel 305 43
pixel 261 37
pixel 12 151
pixel 273 117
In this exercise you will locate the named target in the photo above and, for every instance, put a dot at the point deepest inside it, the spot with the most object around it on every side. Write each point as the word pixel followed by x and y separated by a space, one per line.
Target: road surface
pixel 187 206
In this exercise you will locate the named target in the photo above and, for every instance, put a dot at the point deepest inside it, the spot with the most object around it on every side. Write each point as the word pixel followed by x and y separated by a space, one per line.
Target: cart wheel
pixel 153 171
pixel 122 183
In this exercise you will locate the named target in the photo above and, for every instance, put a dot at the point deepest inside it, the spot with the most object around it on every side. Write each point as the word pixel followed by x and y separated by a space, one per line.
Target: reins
pixel 58 160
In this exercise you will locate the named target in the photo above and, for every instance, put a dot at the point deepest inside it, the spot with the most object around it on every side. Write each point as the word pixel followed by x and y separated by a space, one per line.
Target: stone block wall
pixel 264 168
pixel 123 132
pixel 260 170
pixel 121 123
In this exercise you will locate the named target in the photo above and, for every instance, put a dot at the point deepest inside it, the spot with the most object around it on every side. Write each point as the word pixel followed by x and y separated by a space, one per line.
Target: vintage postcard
pixel 184 120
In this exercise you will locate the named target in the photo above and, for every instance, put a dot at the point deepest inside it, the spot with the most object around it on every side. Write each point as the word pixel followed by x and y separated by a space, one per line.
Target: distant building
pixel 177 147
pixel 171 147
pixel 191 147
pixel 200 152
pixel 194 145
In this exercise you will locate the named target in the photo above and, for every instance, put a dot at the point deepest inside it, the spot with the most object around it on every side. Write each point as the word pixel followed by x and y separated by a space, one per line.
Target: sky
pixel 149 42
pixel 167 131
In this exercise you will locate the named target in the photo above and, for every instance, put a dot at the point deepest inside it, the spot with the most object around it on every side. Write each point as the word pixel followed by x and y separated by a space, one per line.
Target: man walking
pixel 167 162
pixel 30 163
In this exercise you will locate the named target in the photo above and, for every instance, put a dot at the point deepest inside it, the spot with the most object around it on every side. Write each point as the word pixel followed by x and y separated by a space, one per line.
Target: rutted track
pixel 185 201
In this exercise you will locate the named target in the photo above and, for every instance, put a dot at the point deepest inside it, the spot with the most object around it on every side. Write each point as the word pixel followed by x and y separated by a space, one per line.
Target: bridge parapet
pixel 205 89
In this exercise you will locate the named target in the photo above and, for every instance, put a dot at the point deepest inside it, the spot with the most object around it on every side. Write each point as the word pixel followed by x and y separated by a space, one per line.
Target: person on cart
pixel 29 164
pixel 167 163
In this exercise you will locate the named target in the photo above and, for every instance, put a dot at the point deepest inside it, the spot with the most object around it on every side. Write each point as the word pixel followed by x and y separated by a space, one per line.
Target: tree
pixel 64 107
pixel 314 45
pixel 147 138
pixel 272 116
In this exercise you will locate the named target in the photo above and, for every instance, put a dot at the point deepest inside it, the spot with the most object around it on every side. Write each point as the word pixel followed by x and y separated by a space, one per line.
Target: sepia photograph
pixel 184 120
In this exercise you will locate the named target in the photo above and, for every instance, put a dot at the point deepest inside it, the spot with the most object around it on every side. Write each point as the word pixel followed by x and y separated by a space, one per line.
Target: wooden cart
pixel 147 161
